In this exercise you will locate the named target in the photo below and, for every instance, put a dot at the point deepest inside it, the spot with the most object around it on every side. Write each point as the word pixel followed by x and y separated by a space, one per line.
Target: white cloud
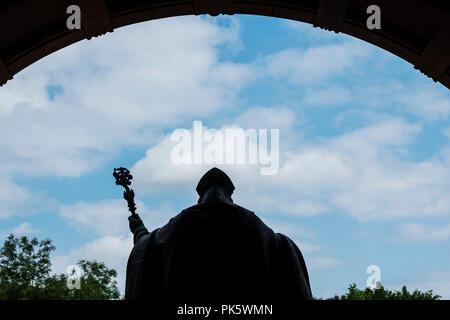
pixel 23 229
pixel 16 200
pixel 170 69
pixel 120 90
pixel 430 102
pixel 104 217
pixel 86 123
pixel 315 64
pixel 158 173
pixel 322 262
pixel 11 197
pixel 358 173
pixel 109 217
pixel 308 247
pixel 258 117
pixel 416 232
pixel 93 118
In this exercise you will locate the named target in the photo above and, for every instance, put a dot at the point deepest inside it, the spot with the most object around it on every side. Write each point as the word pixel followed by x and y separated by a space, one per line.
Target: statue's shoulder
pixel 185 213
pixel 285 241
pixel 241 213
pixel 258 221
pixel 164 233
pixel 244 210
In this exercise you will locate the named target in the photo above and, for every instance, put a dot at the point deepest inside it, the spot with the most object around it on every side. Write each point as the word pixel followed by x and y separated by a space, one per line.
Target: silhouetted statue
pixel 214 252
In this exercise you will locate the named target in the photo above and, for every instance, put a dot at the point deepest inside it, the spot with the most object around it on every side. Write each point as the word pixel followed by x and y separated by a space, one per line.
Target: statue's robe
pixel 216 252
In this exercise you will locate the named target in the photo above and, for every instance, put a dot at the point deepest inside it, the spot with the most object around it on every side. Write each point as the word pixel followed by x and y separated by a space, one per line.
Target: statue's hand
pixel 129 195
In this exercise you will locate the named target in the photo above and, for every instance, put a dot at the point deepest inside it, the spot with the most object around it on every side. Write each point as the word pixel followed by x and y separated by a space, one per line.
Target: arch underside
pixel 415 30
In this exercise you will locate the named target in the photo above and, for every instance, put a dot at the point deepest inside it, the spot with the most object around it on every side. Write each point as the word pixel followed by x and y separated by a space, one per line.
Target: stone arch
pixel 415 30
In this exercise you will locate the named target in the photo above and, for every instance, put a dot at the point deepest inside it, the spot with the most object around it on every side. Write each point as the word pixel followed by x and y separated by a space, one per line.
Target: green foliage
pixel 382 294
pixel 25 268
pixel 96 283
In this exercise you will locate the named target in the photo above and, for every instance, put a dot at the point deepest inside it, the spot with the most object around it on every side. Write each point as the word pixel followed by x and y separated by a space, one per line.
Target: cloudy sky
pixel 364 173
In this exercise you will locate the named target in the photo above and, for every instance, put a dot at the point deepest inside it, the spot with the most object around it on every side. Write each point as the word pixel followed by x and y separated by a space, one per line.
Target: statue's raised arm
pixel 123 178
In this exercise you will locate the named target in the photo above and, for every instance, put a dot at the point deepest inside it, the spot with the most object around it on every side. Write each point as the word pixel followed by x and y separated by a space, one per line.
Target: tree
pixel 96 283
pixel 25 274
pixel 24 267
pixel 382 294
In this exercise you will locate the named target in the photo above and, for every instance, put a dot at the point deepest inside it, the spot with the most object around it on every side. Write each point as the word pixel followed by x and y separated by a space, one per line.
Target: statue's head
pixel 215 179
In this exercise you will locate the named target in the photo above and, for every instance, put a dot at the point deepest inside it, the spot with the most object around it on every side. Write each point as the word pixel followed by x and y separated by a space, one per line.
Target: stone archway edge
pixel 415 30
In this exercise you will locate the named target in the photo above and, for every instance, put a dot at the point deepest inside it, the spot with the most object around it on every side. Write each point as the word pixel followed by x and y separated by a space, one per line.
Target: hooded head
pixel 215 183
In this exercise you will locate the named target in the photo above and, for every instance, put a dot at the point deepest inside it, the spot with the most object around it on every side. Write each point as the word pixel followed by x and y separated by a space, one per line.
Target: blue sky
pixel 364 170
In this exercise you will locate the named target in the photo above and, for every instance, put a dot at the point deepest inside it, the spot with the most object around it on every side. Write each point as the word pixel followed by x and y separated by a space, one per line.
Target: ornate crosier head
pixel 123 177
